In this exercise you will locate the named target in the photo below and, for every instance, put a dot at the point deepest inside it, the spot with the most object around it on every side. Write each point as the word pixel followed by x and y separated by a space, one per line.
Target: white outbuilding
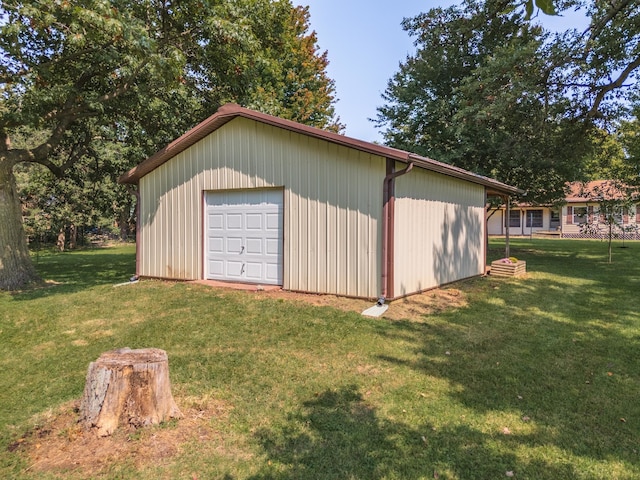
pixel 248 197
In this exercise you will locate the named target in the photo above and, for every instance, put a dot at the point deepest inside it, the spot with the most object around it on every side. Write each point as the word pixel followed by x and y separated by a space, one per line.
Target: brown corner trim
pixel 388 225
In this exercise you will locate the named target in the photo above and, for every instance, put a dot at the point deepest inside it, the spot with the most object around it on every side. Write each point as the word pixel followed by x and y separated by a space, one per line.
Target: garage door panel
pixel 254 246
pixel 216 221
pixel 234 221
pixel 273 221
pixel 216 244
pixel 272 246
pixel 245 230
pixel 272 272
pixel 234 245
pixel 216 267
pixel 254 271
pixel 234 268
pixel 253 221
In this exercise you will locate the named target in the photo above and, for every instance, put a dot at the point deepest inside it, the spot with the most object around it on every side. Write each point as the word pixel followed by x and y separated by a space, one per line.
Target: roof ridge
pixel 229 111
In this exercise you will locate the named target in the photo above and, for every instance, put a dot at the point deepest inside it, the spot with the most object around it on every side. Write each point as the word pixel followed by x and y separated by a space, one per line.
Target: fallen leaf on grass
pixel 506 431
pixel 510 473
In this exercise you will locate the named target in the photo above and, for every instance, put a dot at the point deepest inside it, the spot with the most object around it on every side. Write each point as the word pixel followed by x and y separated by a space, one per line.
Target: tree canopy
pixel 489 90
pixel 76 77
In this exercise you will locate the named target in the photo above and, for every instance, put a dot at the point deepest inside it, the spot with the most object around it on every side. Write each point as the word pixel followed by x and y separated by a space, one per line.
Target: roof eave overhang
pixel 492 186
pixel 228 112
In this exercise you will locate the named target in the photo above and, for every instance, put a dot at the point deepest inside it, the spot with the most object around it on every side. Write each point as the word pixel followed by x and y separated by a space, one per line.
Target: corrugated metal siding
pixel 439 231
pixel 332 213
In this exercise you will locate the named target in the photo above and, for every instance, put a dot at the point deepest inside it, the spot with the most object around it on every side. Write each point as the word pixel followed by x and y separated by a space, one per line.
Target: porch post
pixel 506 227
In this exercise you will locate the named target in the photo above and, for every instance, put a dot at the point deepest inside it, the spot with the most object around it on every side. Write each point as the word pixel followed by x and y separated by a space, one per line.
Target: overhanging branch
pixel 619 82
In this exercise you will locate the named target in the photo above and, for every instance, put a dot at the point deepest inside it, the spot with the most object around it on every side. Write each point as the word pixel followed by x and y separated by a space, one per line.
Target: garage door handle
pixel 242 269
pixel 242 249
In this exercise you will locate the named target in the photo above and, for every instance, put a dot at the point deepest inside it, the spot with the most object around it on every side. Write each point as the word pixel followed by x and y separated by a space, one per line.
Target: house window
pixel 514 218
pixel 620 214
pixel 554 220
pixel 580 215
pixel 534 218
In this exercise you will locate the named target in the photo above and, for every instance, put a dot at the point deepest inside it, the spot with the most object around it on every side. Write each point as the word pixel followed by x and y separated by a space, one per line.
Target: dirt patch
pixel 59 444
pixel 414 307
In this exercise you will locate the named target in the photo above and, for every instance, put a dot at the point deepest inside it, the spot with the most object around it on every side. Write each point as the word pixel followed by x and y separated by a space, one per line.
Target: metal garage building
pixel 248 197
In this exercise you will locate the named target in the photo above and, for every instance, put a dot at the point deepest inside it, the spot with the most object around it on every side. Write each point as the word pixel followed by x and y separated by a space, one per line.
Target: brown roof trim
pixel 230 111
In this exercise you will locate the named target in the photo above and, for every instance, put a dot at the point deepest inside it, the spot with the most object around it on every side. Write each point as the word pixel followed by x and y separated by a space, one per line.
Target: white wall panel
pixel 332 205
pixel 439 231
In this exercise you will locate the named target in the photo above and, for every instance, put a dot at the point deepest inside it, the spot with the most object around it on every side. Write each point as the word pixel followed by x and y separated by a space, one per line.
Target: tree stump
pixel 127 388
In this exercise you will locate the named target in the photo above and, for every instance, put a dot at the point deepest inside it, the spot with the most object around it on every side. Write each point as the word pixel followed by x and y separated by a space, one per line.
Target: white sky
pixel 366 44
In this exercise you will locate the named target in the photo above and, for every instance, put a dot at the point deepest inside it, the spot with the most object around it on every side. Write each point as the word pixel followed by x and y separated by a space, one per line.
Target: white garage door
pixel 244 236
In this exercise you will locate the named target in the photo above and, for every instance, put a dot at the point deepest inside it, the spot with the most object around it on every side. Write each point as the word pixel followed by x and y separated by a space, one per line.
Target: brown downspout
pixel 134 191
pixel 388 224
pixel 486 231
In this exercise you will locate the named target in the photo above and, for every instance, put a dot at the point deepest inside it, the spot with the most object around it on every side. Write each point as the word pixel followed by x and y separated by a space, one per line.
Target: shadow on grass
pixel 559 348
pixel 565 356
pixel 70 272
pixel 338 435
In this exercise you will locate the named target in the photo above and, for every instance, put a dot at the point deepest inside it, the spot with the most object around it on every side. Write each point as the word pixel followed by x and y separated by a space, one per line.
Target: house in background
pixel 248 197
pixel 580 207
pixel 524 219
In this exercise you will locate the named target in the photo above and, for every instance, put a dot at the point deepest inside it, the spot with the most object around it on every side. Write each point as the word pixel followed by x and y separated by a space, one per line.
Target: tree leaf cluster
pixel 491 91
pixel 89 88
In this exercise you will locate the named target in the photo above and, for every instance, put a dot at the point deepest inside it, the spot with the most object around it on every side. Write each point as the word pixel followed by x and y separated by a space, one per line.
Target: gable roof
pixel 228 112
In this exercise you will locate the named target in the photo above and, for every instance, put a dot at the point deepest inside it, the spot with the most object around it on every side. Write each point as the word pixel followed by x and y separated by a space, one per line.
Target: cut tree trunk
pixel 16 269
pixel 127 388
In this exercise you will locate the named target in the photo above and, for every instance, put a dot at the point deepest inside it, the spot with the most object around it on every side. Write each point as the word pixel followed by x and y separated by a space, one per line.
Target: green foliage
pixel 94 87
pixel 474 95
pixel 608 159
pixel 547 6
pixel 629 139
pixel 490 91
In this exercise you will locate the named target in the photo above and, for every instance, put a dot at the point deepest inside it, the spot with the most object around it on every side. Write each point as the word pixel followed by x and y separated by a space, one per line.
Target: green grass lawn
pixel 538 377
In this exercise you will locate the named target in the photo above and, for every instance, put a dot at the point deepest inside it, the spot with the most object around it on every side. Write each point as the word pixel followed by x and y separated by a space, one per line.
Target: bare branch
pixel 619 82
pixel 596 29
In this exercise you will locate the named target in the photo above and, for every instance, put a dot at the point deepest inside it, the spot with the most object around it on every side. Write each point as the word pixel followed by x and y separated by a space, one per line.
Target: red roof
pixel 228 112
pixel 581 192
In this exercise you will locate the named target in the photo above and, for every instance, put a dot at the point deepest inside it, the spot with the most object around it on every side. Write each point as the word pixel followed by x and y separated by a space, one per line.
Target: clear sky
pixel 366 43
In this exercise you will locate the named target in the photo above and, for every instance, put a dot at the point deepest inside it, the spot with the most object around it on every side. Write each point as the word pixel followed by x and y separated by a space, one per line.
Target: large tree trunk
pixel 16 269
pixel 128 388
